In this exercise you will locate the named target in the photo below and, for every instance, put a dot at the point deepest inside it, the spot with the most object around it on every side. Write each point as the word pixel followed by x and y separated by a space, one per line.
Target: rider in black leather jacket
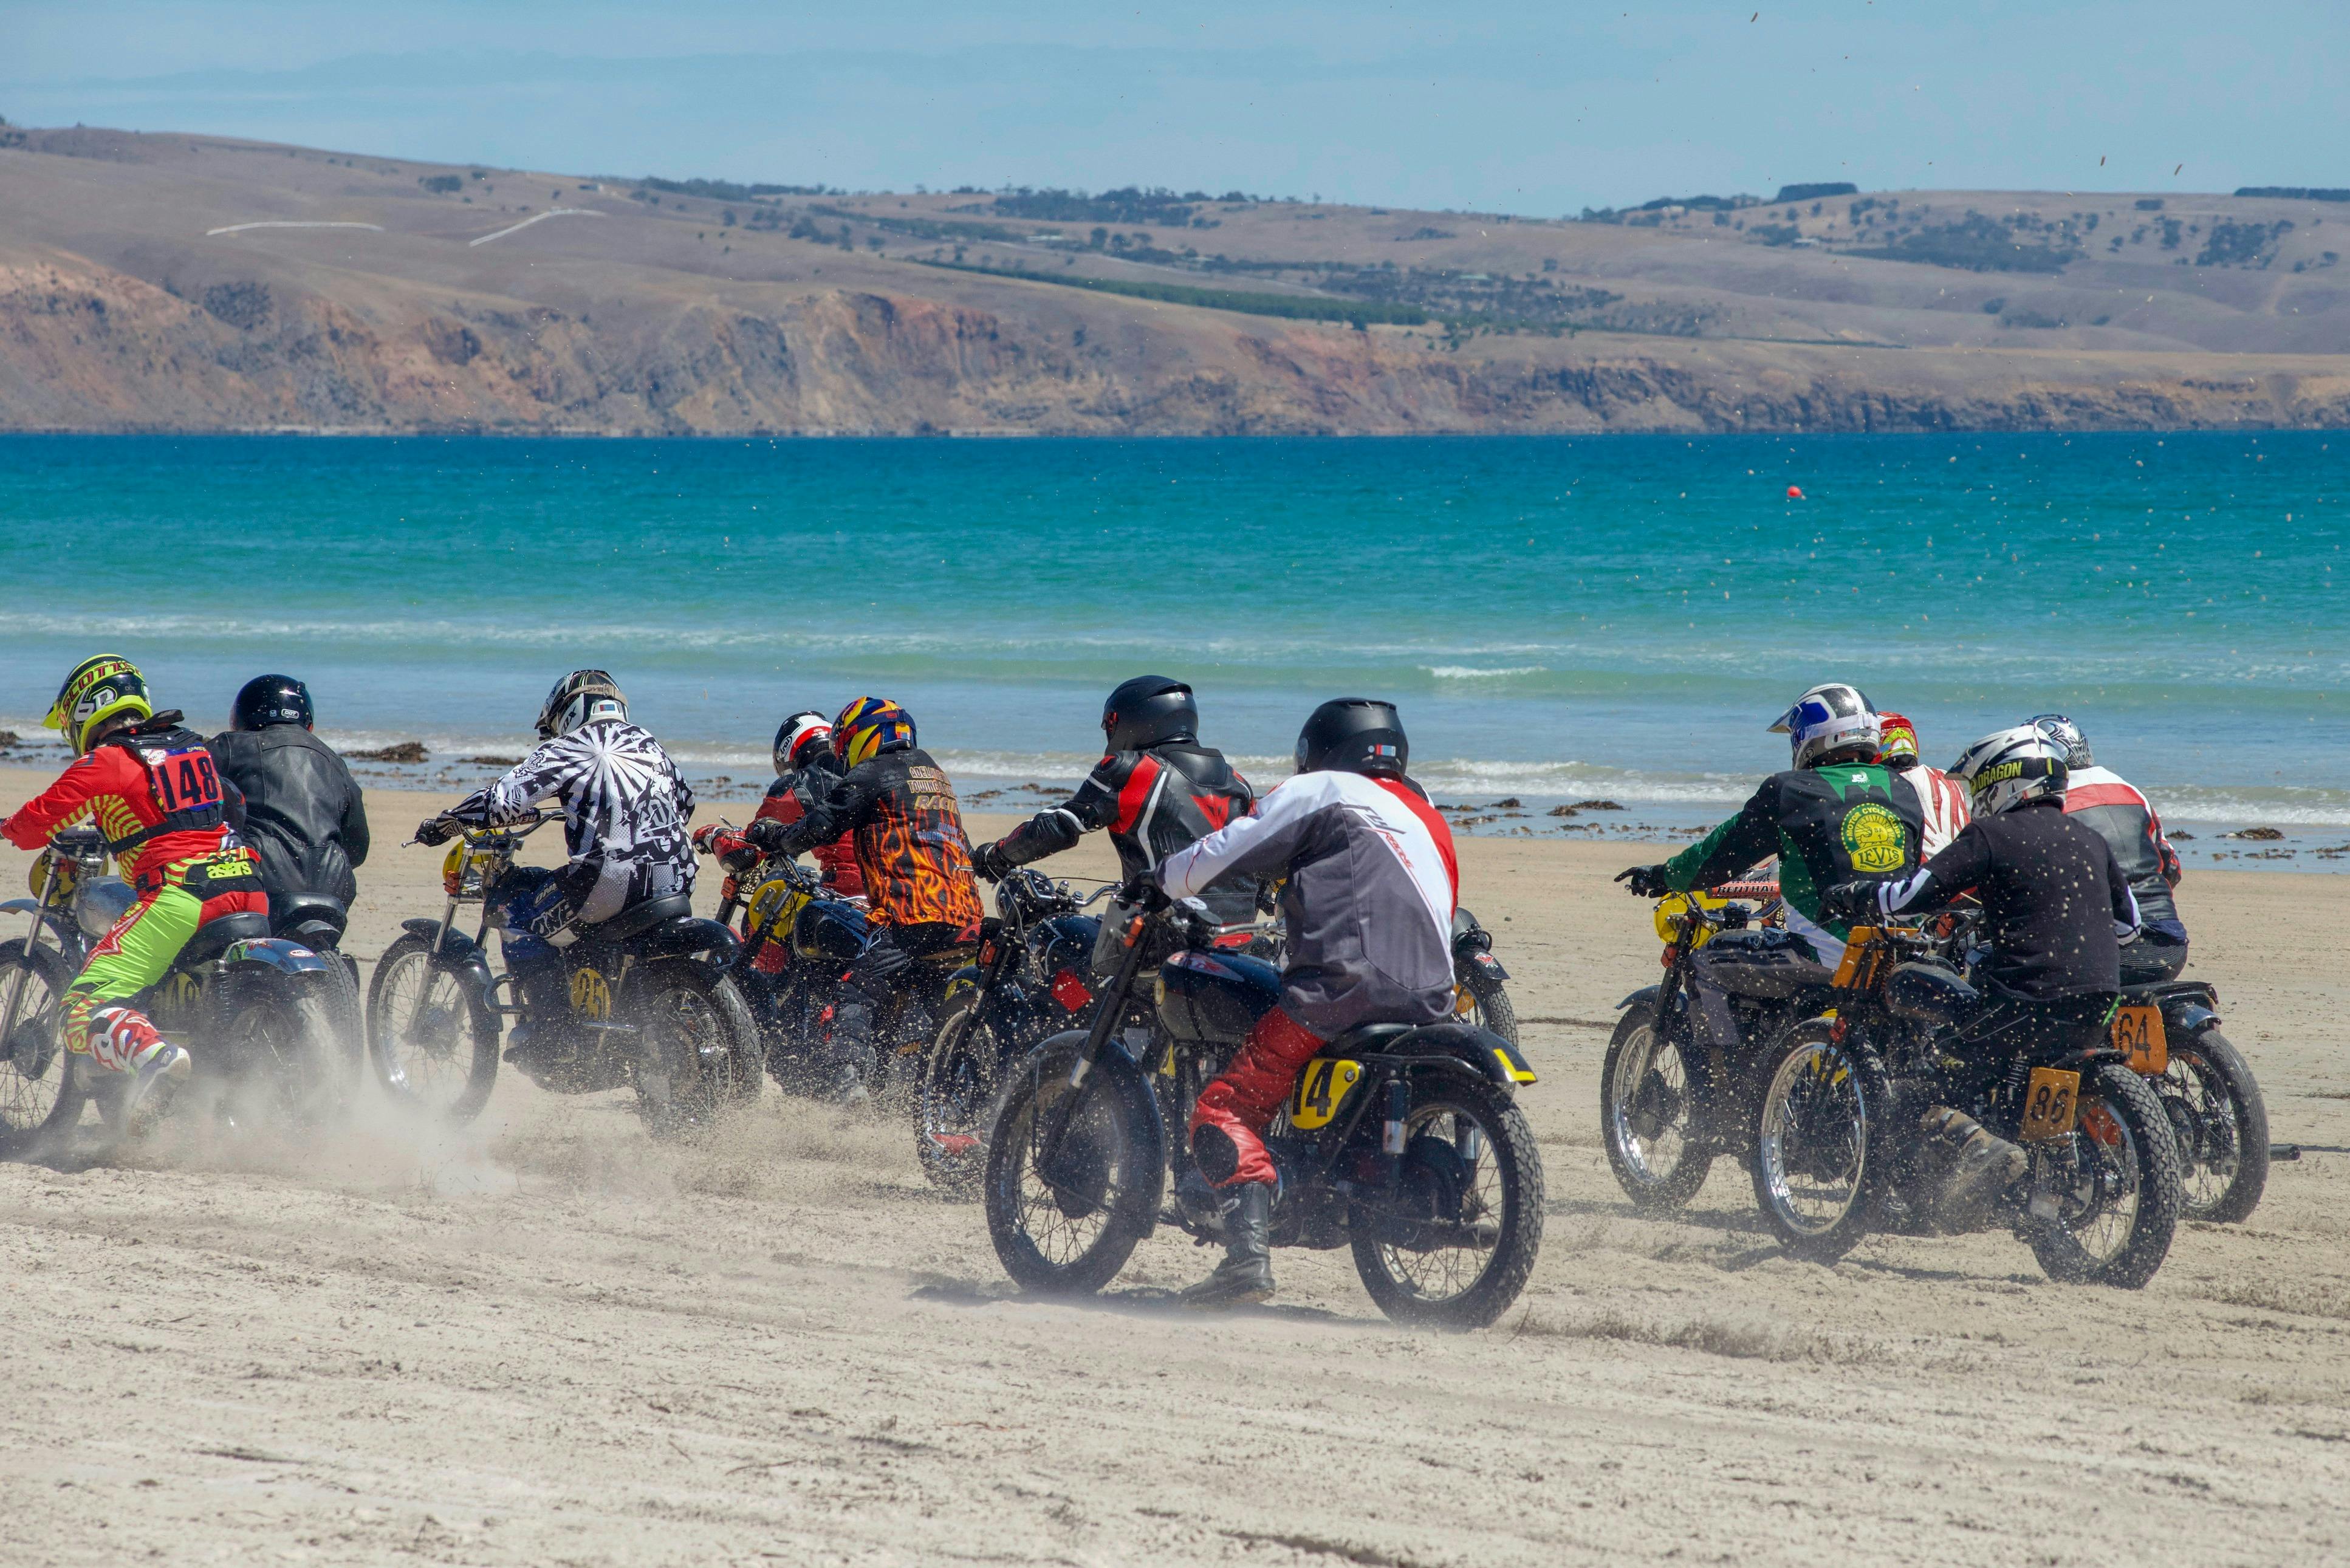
pixel 304 813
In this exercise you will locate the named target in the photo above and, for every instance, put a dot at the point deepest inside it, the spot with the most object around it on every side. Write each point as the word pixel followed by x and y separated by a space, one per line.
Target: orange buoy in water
pixel 1794 492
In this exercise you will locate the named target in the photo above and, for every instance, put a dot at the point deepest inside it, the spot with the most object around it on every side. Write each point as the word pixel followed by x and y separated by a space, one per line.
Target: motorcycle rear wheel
pixel 2120 1238
pixel 1647 1116
pixel 1822 1145
pixel 284 1036
pixel 33 1066
pixel 1498 1205
pixel 2221 1127
pixel 1069 1230
pixel 699 1050
pixel 433 1040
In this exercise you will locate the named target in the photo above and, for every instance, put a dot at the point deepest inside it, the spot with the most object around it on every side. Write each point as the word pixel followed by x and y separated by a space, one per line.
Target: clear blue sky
pixel 1530 107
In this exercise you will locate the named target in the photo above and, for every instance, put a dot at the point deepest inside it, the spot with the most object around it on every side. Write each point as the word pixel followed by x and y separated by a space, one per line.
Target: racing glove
pixel 436 831
pixel 1851 902
pixel 1645 881
pixel 766 835
pixel 989 861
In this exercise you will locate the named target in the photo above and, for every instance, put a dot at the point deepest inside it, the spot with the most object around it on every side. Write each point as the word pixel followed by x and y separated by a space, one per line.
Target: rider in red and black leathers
pixel 806 770
pixel 1158 791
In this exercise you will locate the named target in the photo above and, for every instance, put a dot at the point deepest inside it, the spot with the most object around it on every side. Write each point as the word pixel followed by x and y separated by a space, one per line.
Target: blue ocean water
pixel 1558 618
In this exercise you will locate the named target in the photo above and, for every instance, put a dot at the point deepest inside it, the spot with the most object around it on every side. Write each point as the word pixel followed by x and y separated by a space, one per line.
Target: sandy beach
pixel 547 1339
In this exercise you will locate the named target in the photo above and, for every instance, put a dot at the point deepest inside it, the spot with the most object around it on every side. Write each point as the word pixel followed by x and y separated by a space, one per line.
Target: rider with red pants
pixel 806 770
pixel 1370 886
pixel 149 787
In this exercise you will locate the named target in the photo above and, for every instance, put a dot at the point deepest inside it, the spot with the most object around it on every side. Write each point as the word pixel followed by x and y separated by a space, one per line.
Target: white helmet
pixel 1829 719
pixel 796 734
pixel 2003 770
pixel 579 697
pixel 2067 734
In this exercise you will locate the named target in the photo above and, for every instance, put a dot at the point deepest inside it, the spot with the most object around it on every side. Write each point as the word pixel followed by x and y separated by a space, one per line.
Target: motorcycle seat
pixel 638 919
pixel 1368 1037
pixel 297 910
pixel 214 937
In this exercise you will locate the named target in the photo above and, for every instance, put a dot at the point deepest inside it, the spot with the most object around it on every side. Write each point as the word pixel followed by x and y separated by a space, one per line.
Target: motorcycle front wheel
pixel 1066 1214
pixel 2221 1127
pixel 955 1096
pixel 1454 1249
pixel 433 1040
pixel 1648 1114
pixel 699 1051
pixel 1822 1146
pixel 1482 1000
pixel 34 1079
pixel 2119 1206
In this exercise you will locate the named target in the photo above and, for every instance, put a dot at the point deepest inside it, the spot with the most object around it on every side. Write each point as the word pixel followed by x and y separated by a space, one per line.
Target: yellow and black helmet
pixel 106 686
pixel 870 726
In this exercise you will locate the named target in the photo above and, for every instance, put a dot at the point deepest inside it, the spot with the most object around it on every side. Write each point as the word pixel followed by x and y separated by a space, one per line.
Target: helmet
pixel 1826 720
pixel 870 726
pixel 1897 749
pixel 1355 735
pixel 1150 710
pixel 579 697
pixel 2067 734
pixel 99 689
pixel 797 734
pixel 2006 769
pixel 268 699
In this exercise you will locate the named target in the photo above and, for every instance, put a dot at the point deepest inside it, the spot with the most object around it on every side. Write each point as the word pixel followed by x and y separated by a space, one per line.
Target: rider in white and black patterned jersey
pixel 626 812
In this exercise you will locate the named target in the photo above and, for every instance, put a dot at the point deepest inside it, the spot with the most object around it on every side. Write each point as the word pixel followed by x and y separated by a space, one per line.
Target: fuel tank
pixel 829 930
pixel 1928 994
pixel 1215 998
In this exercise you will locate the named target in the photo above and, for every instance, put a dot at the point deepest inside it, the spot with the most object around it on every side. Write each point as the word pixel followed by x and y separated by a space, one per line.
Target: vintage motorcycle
pixel 2216 1114
pixel 1404 1144
pixel 255 1011
pixel 1666 1109
pixel 1033 978
pixel 648 1004
pixel 1838 1152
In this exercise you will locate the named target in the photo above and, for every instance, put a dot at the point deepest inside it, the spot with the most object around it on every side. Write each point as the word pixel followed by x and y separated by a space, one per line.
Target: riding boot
pixel 1982 1165
pixel 847 1077
pixel 1247 1273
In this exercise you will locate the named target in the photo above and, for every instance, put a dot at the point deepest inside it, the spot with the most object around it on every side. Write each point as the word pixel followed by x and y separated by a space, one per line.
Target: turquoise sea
pixel 1559 618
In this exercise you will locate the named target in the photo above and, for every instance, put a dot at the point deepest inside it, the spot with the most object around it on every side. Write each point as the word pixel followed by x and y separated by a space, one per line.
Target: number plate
pixel 1322 1088
pixel 2139 1035
pixel 2050 1103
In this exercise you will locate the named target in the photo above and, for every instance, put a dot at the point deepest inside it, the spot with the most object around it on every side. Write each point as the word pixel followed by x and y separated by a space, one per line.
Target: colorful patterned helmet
pixel 2067 734
pixel 1897 749
pixel 870 726
pixel 796 735
pixel 2003 770
pixel 579 697
pixel 1828 721
pixel 99 689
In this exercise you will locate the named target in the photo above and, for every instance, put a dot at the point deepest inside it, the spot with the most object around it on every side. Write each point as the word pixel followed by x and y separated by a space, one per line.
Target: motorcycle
pixel 254 1010
pixel 1402 1143
pixel 1837 1147
pixel 2216 1114
pixel 648 1004
pixel 1665 1108
pixel 1033 978
pixel 317 921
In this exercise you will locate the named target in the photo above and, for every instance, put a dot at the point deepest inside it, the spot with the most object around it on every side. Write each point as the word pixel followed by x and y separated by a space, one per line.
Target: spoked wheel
pixel 2118 1190
pixel 1074 1175
pixel 431 1036
pixel 1454 1247
pixel 954 1100
pixel 699 1050
pixel 284 1036
pixel 2221 1127
pixel 1821 1143
pixel 1480 999
pixel 33 1066
pixel 1649 1114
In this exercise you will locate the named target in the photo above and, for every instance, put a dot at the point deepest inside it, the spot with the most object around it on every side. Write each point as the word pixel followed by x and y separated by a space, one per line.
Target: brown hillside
pixel 121 309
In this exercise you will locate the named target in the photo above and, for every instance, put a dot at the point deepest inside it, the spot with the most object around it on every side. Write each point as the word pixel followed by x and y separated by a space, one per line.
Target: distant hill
pixel 193 283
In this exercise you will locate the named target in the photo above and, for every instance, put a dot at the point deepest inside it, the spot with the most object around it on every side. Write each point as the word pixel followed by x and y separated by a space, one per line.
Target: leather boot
pixel 1982 1166
pixel 1247 1273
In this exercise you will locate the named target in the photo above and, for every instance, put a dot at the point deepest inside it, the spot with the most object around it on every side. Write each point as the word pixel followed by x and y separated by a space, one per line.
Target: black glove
pixel 766 834
pixel 739 860
pixel 1850 902
pixel 1646 881
pixel 435 830
pixel 1142 892
pixel 988 860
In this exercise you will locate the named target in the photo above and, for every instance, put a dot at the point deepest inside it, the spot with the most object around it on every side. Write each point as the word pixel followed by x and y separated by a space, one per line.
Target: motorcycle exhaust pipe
pixel 1398 1103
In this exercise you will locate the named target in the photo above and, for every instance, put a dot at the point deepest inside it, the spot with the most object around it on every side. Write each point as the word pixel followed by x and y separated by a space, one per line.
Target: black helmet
pixel 268 699
pixel 1150 710
pixel 1355 735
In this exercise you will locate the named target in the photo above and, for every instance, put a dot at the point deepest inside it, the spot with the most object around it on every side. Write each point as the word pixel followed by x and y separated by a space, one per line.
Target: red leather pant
pixel 1229 1121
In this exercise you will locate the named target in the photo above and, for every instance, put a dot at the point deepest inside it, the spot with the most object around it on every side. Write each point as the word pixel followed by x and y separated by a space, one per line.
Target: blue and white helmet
pixel 2067 734
pixel 1827 720
pixel 2008 767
